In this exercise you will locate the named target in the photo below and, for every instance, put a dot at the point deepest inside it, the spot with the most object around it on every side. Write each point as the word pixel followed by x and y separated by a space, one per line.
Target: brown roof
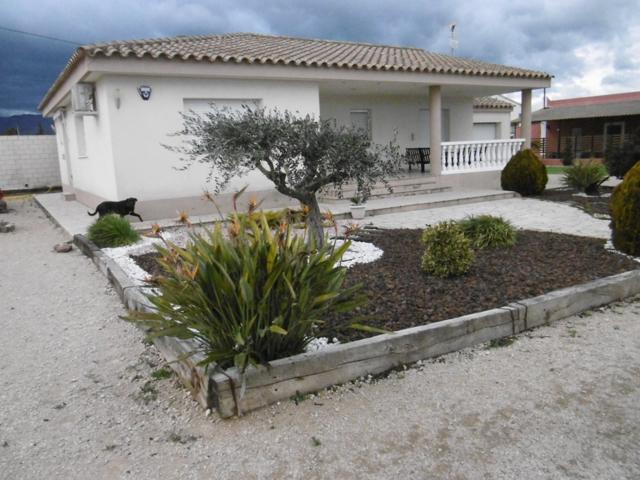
pixel 277 50
pixel 491 103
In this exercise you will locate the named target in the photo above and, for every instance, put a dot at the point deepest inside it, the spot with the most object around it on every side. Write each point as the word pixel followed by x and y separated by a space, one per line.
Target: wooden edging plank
pixel 309 372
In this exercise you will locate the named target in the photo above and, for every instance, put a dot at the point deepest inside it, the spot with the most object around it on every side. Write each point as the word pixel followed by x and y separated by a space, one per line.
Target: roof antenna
pixel 453 43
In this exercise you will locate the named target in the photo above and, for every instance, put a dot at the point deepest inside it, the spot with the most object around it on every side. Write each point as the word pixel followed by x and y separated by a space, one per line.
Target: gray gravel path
pixel 77 399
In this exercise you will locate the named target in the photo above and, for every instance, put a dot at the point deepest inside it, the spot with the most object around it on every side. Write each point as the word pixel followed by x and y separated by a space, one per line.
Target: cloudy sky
pixel 590 46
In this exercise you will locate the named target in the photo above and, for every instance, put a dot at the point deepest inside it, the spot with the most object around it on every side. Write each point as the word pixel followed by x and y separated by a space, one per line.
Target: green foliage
pixel 112 231
pixel 487 231
pixel 273 217
pixel 525 174
pixel 567 155
pixel 300 155
pixel 625 213
pixel 583 174
pixel 248 295
pixel 448 252
pixel 619 160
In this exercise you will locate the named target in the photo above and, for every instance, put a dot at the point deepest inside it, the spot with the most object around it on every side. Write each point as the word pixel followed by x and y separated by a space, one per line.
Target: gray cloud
pixel 541 35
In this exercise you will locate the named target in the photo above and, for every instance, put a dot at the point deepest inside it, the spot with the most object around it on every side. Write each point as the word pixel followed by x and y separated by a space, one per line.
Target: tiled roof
pixel 616 109
pixel 491 103
pixel 252 48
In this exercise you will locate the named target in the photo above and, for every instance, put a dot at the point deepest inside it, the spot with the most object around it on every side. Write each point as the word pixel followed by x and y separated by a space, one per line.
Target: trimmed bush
pixel 525 174
pixel 584 174
pixel 447 252
pixel 248 295
pixel 487 231
pixel 112 231
pixel 625 213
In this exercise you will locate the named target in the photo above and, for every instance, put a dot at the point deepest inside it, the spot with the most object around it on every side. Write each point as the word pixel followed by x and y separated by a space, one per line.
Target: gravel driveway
pixel 78 400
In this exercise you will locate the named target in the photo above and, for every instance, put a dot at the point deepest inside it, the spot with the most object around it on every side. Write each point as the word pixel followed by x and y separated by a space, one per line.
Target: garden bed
pixel 401 295
pixel 597 206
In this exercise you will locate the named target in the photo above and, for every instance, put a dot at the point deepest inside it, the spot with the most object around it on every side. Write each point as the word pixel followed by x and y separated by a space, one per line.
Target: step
pixel 428 204
pixel 400 187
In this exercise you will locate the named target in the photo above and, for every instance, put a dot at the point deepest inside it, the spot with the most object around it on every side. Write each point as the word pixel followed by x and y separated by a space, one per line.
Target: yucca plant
pixel 584 174
pixel 248 294
pixel 487 231
pixel 112 231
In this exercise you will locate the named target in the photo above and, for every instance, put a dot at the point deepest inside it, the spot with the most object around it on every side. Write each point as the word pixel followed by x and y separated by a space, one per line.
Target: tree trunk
pixel 314 222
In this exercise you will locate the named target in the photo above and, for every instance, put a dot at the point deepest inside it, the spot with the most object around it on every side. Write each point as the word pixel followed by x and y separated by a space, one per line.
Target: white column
pixel 435 128
pixel 526 117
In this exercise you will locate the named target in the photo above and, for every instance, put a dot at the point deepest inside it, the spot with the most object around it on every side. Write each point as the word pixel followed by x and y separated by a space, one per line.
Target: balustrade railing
pixel 478 156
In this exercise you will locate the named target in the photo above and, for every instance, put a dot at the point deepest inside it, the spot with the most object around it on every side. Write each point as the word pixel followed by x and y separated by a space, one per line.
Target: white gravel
pixel 561 402
pixel 524 213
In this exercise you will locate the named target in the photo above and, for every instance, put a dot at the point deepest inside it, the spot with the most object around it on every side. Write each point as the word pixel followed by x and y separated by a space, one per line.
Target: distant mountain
pixel 27 124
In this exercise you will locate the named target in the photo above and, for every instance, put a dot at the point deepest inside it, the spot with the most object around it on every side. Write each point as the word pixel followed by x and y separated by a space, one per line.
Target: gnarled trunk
pixel 314 222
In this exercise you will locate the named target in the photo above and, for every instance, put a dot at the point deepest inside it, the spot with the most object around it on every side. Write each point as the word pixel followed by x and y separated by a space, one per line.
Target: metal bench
pixel 420 155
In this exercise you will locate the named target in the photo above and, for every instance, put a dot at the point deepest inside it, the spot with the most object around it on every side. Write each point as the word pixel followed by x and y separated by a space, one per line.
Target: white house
pixel 115 104
pixel 491 119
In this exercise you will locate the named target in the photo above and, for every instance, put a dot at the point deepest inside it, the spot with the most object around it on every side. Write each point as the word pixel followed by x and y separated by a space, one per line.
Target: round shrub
pixel 112 231
pixel 625 213
pixel 487 231
pixel 447 252
pixel 525 174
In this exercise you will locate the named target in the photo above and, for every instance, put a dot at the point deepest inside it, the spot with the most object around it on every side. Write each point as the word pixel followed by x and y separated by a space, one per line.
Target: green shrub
pixel 487 231
pixel 274 217
pixel 625 213
pixel 447 252
pixel 583 174
pixel 112 231
pixel 525 174
pixel 619 160
pixel 248 295
pixel 567 155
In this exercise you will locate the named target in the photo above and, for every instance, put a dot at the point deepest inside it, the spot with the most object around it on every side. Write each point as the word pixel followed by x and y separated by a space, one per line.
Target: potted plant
pixel 357 207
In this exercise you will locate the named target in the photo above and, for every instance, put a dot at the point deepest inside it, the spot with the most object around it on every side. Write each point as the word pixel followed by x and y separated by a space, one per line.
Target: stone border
pixel 233 394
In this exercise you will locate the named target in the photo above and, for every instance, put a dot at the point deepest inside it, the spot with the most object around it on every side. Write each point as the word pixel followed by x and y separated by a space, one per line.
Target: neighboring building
pixel 491 118
pixel 115 104
pixel 587 125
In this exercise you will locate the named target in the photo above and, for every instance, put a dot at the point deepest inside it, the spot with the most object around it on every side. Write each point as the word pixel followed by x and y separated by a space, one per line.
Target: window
pixel 81 141
pixel 361 120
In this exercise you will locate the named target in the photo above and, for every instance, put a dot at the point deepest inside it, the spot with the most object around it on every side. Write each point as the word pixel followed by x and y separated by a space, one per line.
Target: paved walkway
pixel 78 400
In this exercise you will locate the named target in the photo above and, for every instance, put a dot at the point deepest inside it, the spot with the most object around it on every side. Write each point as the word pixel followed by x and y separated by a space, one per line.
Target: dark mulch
pixel 591 205
pixel 401 295
pixel 148 262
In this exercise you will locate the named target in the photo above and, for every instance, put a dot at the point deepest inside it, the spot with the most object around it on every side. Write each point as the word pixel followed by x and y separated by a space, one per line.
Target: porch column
pixel 526 117
pixel 435 128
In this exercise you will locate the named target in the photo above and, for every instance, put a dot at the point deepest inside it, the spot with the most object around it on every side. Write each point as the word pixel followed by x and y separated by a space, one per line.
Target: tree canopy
pixel 299 154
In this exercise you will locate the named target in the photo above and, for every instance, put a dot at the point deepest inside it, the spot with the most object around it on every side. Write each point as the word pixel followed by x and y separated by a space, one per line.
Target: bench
pixel 421 155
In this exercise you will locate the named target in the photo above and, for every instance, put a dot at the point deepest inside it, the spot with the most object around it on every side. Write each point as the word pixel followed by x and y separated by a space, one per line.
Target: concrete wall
pixel 28 161
pixel 408 115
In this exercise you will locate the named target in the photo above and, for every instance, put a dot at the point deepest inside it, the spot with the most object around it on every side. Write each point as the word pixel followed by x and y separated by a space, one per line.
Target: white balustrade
pixel 478 156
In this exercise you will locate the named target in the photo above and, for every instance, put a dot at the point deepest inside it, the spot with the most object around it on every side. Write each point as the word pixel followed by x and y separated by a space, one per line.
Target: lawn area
pixel 556 169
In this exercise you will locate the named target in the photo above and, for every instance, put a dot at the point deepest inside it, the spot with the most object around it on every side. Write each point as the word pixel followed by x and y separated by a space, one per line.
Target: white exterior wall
pixel 405 114
pixel 93 171
pixel 502 120
pixel 28 161
pixel 144 168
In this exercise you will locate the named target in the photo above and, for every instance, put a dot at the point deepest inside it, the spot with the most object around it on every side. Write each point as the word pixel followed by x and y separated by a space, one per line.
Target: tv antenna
pixel 453 42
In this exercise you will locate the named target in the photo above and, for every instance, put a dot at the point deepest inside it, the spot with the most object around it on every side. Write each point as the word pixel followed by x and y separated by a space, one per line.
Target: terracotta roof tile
pixel 278 50
pixel 491 103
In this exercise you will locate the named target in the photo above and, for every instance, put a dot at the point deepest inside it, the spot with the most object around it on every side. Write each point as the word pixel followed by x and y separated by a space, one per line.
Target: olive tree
pixel 299 154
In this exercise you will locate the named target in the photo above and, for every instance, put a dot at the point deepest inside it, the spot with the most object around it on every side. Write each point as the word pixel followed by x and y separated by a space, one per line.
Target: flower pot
pixel 357 212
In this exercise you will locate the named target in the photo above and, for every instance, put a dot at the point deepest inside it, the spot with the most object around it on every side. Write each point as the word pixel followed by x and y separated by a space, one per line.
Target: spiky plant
pixel 112 231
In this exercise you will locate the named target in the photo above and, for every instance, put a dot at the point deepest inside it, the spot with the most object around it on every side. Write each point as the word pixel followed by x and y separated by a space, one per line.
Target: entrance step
pixel 399 187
